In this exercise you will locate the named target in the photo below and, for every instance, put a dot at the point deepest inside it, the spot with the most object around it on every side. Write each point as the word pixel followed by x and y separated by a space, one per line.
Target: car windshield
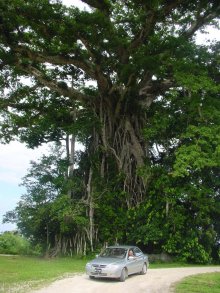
pixel 114 252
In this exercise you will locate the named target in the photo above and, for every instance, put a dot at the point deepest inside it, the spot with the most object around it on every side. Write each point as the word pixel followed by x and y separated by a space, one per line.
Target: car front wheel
pixel 144 269
pixel 123 275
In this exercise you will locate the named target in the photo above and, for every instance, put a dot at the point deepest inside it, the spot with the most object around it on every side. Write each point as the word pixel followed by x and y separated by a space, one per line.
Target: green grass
pixel 25 273
pixel 202 283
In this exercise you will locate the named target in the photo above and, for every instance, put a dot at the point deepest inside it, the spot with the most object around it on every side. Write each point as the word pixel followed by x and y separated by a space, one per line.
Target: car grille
pixel 99 266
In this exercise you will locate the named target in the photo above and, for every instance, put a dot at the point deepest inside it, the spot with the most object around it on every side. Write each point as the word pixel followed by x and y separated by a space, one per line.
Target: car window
pixel 114 253
pixel 137 252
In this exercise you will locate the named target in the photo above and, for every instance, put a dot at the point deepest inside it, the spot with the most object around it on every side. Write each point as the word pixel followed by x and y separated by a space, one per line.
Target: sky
pixel 14 162
pixel 15 157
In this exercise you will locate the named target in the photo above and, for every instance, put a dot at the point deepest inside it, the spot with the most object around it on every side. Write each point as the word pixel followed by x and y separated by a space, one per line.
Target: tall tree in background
pixel 127 79
pixel 46 214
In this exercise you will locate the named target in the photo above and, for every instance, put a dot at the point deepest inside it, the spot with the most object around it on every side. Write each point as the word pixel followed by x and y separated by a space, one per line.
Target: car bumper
pixel 104 273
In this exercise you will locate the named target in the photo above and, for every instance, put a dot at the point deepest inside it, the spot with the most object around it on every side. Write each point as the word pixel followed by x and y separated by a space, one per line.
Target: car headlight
pixel 88 265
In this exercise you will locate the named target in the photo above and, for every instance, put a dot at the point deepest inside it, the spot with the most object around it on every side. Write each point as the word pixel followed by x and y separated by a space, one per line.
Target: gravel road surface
pixel 155 281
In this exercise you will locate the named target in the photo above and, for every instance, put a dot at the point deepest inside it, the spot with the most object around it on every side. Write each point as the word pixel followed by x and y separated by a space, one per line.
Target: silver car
pixel 118 262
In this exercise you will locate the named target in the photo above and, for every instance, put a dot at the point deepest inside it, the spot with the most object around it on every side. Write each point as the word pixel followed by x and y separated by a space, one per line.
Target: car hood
pixel 106 261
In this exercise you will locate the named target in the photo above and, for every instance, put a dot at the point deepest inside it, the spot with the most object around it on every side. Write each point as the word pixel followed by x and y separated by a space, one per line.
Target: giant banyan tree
pixel 126 78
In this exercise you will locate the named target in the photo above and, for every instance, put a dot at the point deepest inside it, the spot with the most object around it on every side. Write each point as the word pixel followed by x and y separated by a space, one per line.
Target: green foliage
pixel 111 216
pixel 195 252
pixel 11 243
pixel 68 214
pixel 200 151
pixel 187 250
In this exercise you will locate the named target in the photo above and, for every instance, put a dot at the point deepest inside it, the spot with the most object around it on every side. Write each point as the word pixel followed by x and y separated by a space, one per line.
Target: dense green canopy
pixel 127 79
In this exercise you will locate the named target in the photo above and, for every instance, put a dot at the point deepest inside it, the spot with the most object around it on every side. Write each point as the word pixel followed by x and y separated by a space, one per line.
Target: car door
pixel 139 260
pixel 131 265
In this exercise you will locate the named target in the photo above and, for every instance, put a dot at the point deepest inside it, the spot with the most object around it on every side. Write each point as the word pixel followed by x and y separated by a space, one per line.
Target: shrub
pixel 189 250
pixel 11 243
pixel 195 252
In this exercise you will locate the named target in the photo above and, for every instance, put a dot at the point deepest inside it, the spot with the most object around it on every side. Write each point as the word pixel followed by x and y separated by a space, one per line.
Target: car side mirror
pixel 97 255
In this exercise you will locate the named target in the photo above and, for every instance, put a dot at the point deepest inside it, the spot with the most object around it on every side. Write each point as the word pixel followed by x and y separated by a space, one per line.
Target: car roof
pixel 122 246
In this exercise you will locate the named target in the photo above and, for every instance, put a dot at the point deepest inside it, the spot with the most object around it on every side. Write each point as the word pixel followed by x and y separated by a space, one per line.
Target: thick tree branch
pixel 102 80
pixel 170 6
pixel 136 148
pixel 53 85
pixel 152 17
pixel 56 60
pixel 200 21
pixel 102 5
pixel 141 37
pixel 152 88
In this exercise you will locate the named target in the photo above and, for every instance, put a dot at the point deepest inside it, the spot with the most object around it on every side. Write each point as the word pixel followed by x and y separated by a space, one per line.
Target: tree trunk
pixel 122 140
pixel 72 155
pixel 91 209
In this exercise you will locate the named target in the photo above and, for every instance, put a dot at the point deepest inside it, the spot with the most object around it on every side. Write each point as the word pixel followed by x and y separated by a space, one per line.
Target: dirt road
pixel 155 281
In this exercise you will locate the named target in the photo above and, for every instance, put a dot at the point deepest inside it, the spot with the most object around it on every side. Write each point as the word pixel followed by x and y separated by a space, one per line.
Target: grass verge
pixel 202 283
pixel 21 274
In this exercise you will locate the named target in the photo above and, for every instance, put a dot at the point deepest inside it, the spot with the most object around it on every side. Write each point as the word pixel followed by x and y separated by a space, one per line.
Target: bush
pixel 11 243
pixel 195 253
pixel 189 250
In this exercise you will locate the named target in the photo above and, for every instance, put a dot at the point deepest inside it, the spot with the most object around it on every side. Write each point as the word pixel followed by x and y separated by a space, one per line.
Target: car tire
pixel 123 275
pixel 144 269
pixel 92 277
